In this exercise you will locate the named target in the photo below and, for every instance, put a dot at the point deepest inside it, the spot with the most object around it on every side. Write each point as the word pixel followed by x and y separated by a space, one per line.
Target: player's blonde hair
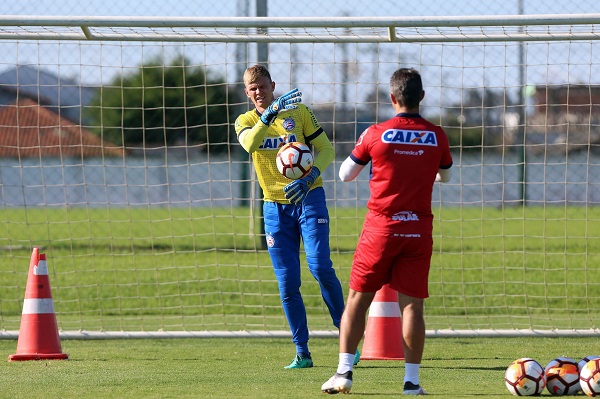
pixel 255 72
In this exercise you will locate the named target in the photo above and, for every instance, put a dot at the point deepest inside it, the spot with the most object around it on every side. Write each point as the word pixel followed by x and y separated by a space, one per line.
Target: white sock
pixel 411 371
pixel 346 363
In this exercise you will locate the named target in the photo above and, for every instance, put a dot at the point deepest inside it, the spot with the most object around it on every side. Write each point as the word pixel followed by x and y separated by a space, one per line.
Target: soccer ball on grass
pixel 589 377
pixel 294 160
pixel 525 377
pixel 585 360
pixel 562 376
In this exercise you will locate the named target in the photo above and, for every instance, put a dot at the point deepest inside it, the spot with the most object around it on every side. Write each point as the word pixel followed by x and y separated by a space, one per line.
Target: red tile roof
pixel 30 130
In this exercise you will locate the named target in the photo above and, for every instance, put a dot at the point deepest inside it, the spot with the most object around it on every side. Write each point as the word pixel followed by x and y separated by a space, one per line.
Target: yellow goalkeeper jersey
pixel 299 124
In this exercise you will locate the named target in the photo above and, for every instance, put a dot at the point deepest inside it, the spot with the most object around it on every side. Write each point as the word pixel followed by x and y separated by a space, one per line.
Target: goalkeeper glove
pixel 283 103
pixel 297 190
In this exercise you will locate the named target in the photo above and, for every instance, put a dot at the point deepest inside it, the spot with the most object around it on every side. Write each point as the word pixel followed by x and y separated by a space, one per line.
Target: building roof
pixel 64 96
pixel 30 130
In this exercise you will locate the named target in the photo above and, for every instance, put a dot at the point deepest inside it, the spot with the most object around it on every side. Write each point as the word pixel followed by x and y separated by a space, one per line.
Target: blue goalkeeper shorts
pixel 285 226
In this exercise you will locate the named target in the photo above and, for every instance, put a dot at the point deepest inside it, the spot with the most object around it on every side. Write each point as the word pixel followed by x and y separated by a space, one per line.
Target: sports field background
pixel 182 269
pixel 457 368
pixel 134 246
pixel 144 250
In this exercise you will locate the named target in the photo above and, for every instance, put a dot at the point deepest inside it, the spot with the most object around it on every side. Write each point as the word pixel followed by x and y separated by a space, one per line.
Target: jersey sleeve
pixel 325 151
pixel 446 160
pixel 360 154
pixel 250 132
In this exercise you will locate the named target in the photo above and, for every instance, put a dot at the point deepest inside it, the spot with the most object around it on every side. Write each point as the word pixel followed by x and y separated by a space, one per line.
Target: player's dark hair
pixel 407 87
pixel 253 73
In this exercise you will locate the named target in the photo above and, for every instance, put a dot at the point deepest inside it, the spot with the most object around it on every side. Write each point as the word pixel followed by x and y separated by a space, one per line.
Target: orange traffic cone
pixel 38 335
pixel 383 336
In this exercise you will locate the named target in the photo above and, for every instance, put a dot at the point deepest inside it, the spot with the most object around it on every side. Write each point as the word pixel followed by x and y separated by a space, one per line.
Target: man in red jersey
pixel 408 155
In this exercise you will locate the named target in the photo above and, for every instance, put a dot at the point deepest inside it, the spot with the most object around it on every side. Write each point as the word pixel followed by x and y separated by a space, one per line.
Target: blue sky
pixel 304 8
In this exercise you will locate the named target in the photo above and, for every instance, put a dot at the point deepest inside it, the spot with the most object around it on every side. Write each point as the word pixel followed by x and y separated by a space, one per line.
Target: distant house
pixel 560 118
pixel 65 97
pixel 576 99
pixel 30 130
pixel 564 117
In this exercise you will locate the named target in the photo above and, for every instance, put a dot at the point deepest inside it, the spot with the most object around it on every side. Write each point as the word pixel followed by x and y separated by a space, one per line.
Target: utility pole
pixel 262 52
pixel 522 101
pixel 262 48
pixel 241 55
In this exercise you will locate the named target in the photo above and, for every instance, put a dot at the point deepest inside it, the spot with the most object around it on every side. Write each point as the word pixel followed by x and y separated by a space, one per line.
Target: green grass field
pixel 190 269
pixel 205 269
pixel 457 368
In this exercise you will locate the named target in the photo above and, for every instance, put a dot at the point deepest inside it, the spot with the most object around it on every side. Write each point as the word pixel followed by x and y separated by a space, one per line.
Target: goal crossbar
pixel 543 27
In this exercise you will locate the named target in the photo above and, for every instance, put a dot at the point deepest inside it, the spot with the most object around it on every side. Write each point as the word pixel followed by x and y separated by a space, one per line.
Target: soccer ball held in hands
pixel 294 160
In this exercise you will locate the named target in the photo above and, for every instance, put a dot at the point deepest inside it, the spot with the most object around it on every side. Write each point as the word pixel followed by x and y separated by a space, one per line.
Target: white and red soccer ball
pixel 294 160
pixel 562 376
pixel 525 377
pixel 589 376
pixel 585 360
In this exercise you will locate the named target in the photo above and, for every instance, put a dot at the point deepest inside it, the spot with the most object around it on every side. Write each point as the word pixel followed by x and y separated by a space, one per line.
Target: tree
pixel 165 105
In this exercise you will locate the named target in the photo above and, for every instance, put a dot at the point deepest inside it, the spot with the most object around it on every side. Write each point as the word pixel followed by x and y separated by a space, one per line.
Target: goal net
pixel 119 161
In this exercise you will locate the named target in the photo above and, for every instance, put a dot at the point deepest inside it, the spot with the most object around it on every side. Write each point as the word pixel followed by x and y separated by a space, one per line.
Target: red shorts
pixel 400 260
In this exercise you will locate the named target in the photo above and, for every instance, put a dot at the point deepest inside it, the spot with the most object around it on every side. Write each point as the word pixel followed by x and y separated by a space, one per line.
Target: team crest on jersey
pixel 270 241
pixel 274 143
pixel 289 124
pixel 412 137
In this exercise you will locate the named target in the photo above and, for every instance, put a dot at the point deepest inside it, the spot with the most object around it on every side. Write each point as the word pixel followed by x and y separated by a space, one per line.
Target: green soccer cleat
pixel 300 362
pixel 356 357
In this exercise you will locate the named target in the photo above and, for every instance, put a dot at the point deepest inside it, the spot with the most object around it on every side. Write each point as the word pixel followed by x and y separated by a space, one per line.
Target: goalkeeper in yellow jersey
pixel 293 211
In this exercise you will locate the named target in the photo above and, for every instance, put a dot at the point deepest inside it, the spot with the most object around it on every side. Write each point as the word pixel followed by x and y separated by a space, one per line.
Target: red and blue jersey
pixel 405 154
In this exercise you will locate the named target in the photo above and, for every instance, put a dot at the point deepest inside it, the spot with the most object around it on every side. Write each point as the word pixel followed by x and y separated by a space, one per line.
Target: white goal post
pixel 127 174
pixel 434 29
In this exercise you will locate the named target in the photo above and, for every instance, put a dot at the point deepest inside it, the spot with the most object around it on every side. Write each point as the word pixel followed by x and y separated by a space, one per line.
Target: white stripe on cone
pixel 41 269
pixel 384 309
pixel 38 306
